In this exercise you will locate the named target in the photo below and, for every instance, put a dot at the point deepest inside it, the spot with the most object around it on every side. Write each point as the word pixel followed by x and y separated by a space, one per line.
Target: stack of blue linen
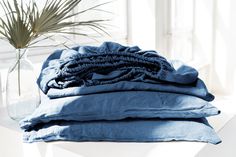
pixel 119 93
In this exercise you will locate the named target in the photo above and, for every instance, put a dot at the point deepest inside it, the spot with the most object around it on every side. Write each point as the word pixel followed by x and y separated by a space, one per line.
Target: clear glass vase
pixel 22 92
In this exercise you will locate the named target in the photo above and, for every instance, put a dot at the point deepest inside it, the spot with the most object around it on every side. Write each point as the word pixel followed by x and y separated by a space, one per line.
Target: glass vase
pixel 22 92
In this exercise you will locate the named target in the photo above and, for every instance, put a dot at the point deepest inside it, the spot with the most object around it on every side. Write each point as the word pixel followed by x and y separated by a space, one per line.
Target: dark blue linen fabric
pixel 119 93
pixel 128 130
pixel 85 69
pixel 120 105
pixel 197 89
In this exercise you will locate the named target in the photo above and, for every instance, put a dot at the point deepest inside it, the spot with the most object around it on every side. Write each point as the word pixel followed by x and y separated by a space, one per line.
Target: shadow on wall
pixel 224 47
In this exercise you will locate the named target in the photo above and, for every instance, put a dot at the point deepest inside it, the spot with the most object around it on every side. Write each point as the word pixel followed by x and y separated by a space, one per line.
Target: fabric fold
pixel 121 94
pixel 86 66
pixel 120 105
pixel 154 130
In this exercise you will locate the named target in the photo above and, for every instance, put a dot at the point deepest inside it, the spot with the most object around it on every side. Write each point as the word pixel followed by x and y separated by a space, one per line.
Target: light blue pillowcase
pixel 120 105
pixel 128 130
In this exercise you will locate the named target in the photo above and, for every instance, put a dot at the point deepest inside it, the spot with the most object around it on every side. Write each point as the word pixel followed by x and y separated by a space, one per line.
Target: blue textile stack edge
pixel 121 94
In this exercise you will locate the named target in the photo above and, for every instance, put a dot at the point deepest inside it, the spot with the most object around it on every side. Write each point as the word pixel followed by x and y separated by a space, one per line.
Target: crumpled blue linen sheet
pixel 121 94
pixel 113 67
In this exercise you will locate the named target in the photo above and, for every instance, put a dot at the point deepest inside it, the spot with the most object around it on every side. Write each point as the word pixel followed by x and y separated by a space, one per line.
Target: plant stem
pixel 19 87
pixel 18 60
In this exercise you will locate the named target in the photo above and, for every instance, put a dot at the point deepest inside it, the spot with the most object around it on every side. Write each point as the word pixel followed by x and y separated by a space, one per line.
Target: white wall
pixel 142 23
pixel 224 50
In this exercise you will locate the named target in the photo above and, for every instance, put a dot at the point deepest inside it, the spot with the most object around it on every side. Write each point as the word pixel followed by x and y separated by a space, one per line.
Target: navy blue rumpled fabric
pixel 103 93
pixel 108 68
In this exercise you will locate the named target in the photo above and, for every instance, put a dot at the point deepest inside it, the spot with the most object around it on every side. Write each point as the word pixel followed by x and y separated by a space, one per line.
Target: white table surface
pixel 225 124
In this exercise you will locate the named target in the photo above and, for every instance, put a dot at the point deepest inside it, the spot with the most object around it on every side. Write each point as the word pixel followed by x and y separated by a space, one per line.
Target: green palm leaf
pixel 24 24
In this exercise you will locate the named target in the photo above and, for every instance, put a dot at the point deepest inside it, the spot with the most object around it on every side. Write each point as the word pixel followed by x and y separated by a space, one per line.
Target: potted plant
pixel 25 25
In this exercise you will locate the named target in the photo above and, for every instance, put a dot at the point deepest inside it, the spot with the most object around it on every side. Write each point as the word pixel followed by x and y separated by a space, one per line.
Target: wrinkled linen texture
pixel 87 69
pixel 121 94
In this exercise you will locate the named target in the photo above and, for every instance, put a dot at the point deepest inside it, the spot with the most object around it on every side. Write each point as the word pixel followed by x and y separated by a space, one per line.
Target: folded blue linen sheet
pixel 119 93
pixel 128 130
pixel 119 105
pixel 197 89
pixel 110 64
